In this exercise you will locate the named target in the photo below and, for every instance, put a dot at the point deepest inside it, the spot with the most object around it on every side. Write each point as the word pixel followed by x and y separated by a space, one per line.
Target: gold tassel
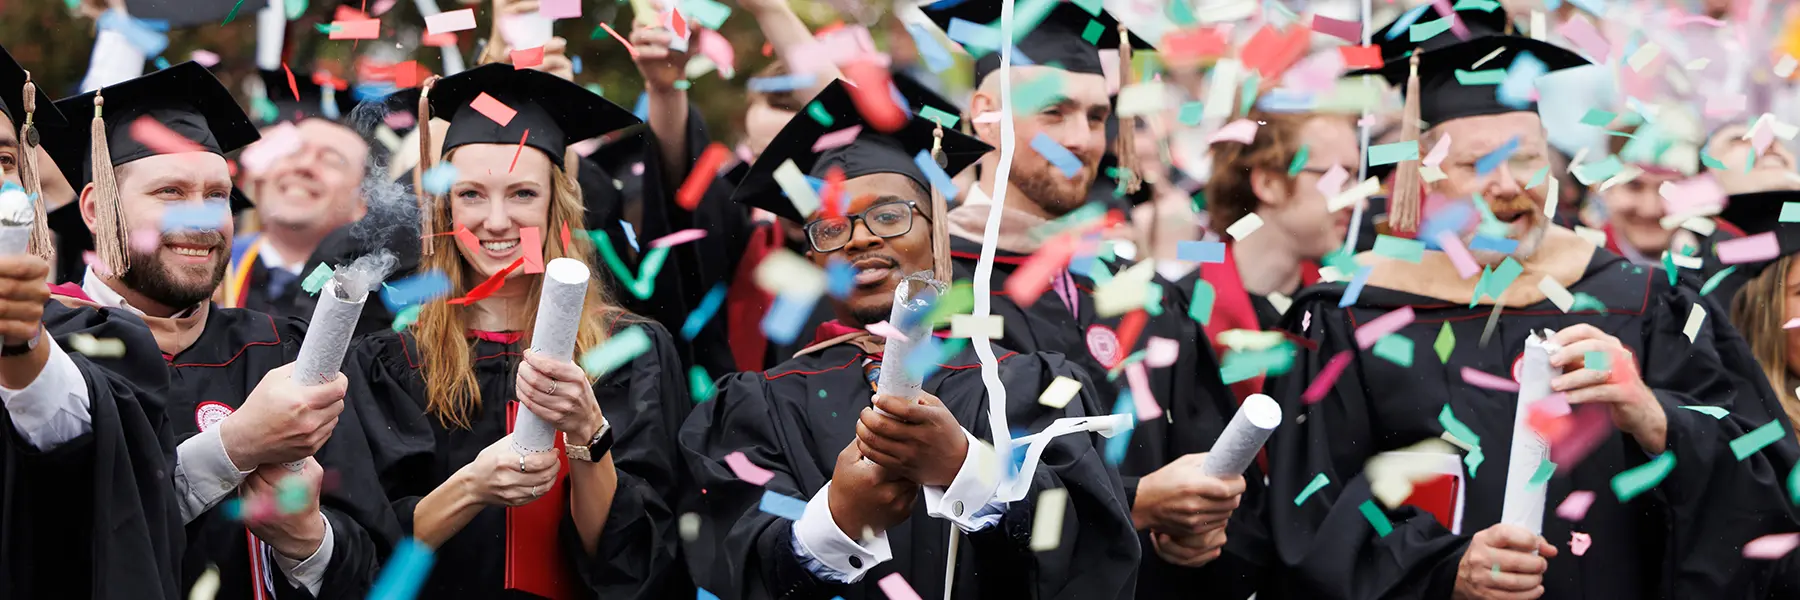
pixel 41 245
pixel 111 239
pixel 1403 208
pixel 1125 147
pixel 940 226
pixel 426 216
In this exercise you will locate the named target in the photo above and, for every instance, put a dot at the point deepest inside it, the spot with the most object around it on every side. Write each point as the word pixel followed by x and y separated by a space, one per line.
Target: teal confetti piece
pixel 681 84
pixel 1201 309
pixel 1503 277
pixel 1457 429
pixel 1396 348
pixel 1597 360
pixel 1790 212
pixel 1584 301
pixel 1027 14
pixel 1481 5
pixel 1420 32
pixel 701 384
pixel 1537 178
pixel 1542 475
pixel 1711 163
pixel 405 572
pixel 1299 162
pixel 1091 34
pixel 1794 485
pixel 709 13
pixel 1759 438
pixel 931 113
pixel 439 178
pixel 1631 482
pixel 315 281
pixel 292 494
pixel 1397 248
pixel 708 306
pixel 1669 266
pixel 1042 90
pixel 233 14
pixel 782 505
pixel 1598 118
pixel 1717 278
pixel 818 113
pixel 1387 154
pixel 1711 411
pixel 1252 86
pixel 1318 483
pixel 1191 113
pixel 621 348
pixel 1596 172
pixel 975 37
pixel 1377 519
pixel 407 317
pixel 1354 290
pixel 1153 297
pixel 1486 77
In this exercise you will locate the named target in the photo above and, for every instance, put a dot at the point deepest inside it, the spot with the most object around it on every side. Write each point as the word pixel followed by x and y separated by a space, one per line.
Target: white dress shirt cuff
pixel 830 554
pixel 969 501
pixel 53 409
pixel 309 573
pixel 204 474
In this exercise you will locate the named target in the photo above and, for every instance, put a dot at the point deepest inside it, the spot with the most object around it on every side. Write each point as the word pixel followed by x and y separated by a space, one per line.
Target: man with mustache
pixel 816 428
pixel 1653 379
pixel 156 207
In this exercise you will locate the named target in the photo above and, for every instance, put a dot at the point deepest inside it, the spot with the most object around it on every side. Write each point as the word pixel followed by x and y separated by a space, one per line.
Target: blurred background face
pixel 1077 123
pixel 317 186
pixel 1297 206
pixel 175 268
pixel 1772 170
pixel 762 121
pixel 1792 294
pixel 1635 209
pixel 1503 188
pixel 496 205
pixel 880 263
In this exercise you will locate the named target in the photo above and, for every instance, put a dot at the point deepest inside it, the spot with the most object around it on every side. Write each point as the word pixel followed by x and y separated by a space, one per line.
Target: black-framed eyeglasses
pixel 884 220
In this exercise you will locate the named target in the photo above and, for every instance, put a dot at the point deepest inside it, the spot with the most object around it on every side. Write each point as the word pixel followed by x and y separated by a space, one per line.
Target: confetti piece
pixel 1695 318
pixel 1578 543
pixel 315 281
pixel 161 139
pixel 936 175
pixel 971 326
pixel 1379 327
pixel 406 317
pixel 1147 408
pixel 1059 392
pixel 1598 118
pixel 1377 519
pixel 1398 248
pixel 1360 192
pixel 793 183
pixel 1459 255
pixel 1242 131
pixel 360 29
pixel 1396 349
pixel 746 470
pixel 1488 381
pixel 277 142
pixel 678 238
pixel 785 318
pixel 1557 294
pixel 206 587
pixel 1299 163
pixel 1354 290
pixel 1760 247
pixel 1645 54
pixel 1631 482
pixel 1486 77
pixel 1244 226
pixel 781 505
pixel 896 588
pixel 629 49
pixel 1200 251
pixel 1585 37
pixel 1490 161
pixel 96 347
pixel 446 22
pixel 1446 341
pixel 1332 182
pixel 1047 523
pixel 1387 154
pixel 1757 439
pixel 709 305
pixel 1318 483
pixel 1520 87
pixel 1772 546
pixel 206 216
pixel 1142 99
pixel 405 572
pixel 834 139
pixel 1327 377
pixel 527 58
pixel 1349 31
pixel 559 9
pixel 1711 411
pixel 700 384
pixel 704 172
pixel 493 109
pixel 1058 156
pixel 621 348
pixel 1575 506
pixel 1361 57
pixel 1201 307
pixel 1466 436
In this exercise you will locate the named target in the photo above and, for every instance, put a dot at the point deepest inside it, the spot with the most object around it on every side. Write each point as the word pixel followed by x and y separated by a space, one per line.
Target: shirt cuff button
pixel 856 562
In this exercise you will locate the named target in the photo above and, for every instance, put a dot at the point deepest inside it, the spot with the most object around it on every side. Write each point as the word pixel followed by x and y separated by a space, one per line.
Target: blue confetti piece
pixel 364 92
pixel 148 37
pixel 1494 244
pixel 1118 444
pixel 1356 286
pixel 1452 218
pixel 1201 252
pixel 188 216
pixel 939 179
pixel 1598 9
pixel 780 83
pixel 642 109
pixel 1521 81
pixel 708 306
pixel 630 234
pixel 840 277
pixel 900 100
pixel 702 594
pixel 923 361
pixel 782 505
pixel 417 289
pixel 163 63
pixel 978 39
pixel 936 57
pixel 405 572
pixel 1064 160
pixel 439 178
pixel 1492 160
pixel 328 105
pixel 783 322
pixel 1287 101
pixel 1406 21
pixel 575 62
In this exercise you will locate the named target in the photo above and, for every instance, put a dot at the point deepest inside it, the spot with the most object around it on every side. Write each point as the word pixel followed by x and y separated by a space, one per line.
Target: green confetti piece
pixel 818 113
pixel 1387 154
pixel 619 349
pixel 1711 411
pixel 407 317
pixel 1542 475
pixel 1396 348
pixel 1247 96
pixel 315 281
pixel 1538 178
pixel 1717 278
pixel 683 84
pixel 1637 480
pixel 1420 32
pixel 1043 90
pixel 1584 301
pixel 1759 438
pixel 1027 15
pixel 1790 212
pixel 1482 5
pixel 960 300
pixel 702 384
pixel 1486 77
pixel 1318 483
pixel 709 13
pixel 1191 113
pixel 1201 308
pixel 1446 341
pixel 230 15
pixel 1596 360
pixel 644 282
pixel 1596 172
pixel 326 28
pixel 1376 518
pixel 1457 429
pixel 1397 248
pixel 931 113
pixel 1092 32
pixel 1299 162
pixel 1711 163
pixel 1091 6
pixel 1598 118
pixel 1502 278
pixel 1794 485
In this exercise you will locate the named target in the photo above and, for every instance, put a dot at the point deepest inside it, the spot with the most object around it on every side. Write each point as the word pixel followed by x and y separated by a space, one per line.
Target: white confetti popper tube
pixel 912 300
pixel 558 320
pixel 16 219
pixel 14 239
pixel 1524 501
pixel 1243 437
pixel 327 339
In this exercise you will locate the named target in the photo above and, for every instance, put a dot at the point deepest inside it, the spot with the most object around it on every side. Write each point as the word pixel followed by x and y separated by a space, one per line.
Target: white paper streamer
pixel 1237 446
pixel 1524 502
pixel 558 320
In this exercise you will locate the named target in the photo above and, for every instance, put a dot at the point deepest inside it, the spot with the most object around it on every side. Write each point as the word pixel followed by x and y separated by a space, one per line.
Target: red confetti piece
pixel 439 40
pixel 345 13
pixel 565 239
pixel 1271 53
pixel 292 85
pixel 528 58
pixel 363 29
pixel 467 239
pixel 871 95
pixel 519 150
pixel 161 139
pixel 1362 57
pixel 615 35
pixel 533 240
pixel 705 171
pixel 832 193
pixel 1195 45
pixel 1129 329
pixel 489 107
pixel 493 284
pixel 1327 377
pixel 1034 276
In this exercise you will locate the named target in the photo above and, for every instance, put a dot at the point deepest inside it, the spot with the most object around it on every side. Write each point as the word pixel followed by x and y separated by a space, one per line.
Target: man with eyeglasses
pixel 851 464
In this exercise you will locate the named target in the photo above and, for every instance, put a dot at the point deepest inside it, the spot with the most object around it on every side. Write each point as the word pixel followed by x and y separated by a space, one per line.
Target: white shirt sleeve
pixel 52 409
pixel 204 474
pixel 827 552
pixel 969 501
pixel 309 573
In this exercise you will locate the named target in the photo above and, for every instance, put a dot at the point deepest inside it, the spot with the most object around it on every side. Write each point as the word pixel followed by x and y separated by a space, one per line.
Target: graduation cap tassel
pixel 940 226
pixel 112 239
pixel 426 216
pixel 41 245
pixel 1403 212
pixel 1125 147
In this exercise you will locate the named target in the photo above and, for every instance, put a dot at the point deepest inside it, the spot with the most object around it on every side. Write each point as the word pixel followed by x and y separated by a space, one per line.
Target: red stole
pixel 534 554
pixel 1232 310
pixel 745 303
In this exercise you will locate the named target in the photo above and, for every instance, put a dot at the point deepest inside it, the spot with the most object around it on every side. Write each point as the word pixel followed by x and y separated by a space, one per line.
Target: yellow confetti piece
pixel 91 346
pixel 1434 175
pixel 1047 523
pixel 1281 302
pixel 1145 98
pixel 793 183
pixel 1059 392
pixel 1695 318
pixel 971 326
pixel 206 587
pixel 1557 294
pixel 1644 55
pixel 1358 193
pixel 1593 236
pixel 1127 290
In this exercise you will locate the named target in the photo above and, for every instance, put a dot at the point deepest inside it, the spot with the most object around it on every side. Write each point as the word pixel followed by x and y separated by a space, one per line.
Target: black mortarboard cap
pixel 1061 40
pixel 919 95
pixel 12 96
pixel 1442 96
pixel 308 102
pixel 868 154
pixel 188 13
pixel 1758 213
pixel 552 112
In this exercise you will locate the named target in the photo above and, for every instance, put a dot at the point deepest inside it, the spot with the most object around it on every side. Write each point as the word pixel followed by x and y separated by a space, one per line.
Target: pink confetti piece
pixel 630 49
pixel 359 29
pixel 1694 195
pixel 533 240
pixel 1332 182
pixel 381 7
pixel 1679 19
pixel 1349 31
pixel 1488 381
pixel 161 139
pixel 897 588
pixel 1379 327
pixel 1762 137
pixel 1580 32
pixel 1725 105
pixel 400 119
pixel 1438 151
pixel 1147 408
pixel 493 109
pixel 1328 376
pixel 560 9
pixel 446 22
pixel 991 116
pixel 1458 253
pixel 637 169
pixel 1553 406
pixel 1579 542
pixel 1574 507
pixel 1241 131
pixel 887 330
pixel 717 49
pixel 678 238
pixel 280 141
pixel 1771 547
pixel 1792 323
pixel 528 58
pixel 146 240
pixel 206 59
pixel 746 470
pixel 1162 352
pixel 1759 247
pixel 837 138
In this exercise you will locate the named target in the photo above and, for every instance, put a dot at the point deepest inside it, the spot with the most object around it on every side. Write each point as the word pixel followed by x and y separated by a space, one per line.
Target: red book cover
pixel 534 557
pixel 1437 496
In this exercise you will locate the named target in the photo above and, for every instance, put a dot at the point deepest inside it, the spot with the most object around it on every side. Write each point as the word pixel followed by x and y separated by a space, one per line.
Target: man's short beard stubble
pixel 1041 185
pixel 149 276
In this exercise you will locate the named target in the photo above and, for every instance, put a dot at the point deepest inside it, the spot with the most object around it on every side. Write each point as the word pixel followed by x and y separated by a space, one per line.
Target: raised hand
pixel 282 421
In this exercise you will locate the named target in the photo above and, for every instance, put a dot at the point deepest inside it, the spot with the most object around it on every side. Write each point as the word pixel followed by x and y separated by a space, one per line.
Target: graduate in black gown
pixel 1677 536
pixel 440 395
pixel 812 423
pixel 228 368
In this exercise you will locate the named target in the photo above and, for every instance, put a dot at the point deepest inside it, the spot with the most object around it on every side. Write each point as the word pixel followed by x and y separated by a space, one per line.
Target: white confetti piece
pixel 1434 175
pixel 971 326
pixel 1142 99
pixel 1684 261
pixel 91 346
pixel 1695 318
pixel 793 183
pixel 1785 68
pixel 1697 64
pixel 1349 197
pixel 1161 352
pixel 1704 227
pixel 1059 392
pixel 1047 523
pixel 1537 25
pixel 1644 55
pixel 1225 73
pixel 1595 236
pixel 1282 302
pixel 1127 290
pixel 1557 294
pixel 785 273
pixel 689 526
pixel 1244 227
pixel 1771 547
pixel 206 587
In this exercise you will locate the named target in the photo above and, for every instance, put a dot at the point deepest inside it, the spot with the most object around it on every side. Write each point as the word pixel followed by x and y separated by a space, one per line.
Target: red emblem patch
pixel 208 414
pixel 1103 345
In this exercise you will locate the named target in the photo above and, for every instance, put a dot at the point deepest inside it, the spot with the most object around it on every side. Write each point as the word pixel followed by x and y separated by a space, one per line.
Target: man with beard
pixel 157 165
pixel 1648 375
pixel 814 425
pixel 1178 510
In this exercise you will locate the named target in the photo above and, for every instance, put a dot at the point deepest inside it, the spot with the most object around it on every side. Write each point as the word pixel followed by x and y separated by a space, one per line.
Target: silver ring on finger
pixel 521 463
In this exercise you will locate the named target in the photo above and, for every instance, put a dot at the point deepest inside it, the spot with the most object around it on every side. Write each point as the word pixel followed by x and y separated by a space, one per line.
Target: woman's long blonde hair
pixel 1758 311
pixel 444 345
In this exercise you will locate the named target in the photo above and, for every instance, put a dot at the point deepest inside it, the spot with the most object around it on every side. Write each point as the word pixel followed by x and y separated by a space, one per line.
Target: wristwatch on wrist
pixel 25 348
pixel 596 447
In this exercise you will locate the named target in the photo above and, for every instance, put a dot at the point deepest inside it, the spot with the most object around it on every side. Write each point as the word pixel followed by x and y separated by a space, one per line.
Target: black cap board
pixel 290 105
pixel 919 95
pixel 1442 96
pixel 12 96
pixel 1758 213
pixel 1061 40
pixel 552 113
pixel 868 154
pixel 181 14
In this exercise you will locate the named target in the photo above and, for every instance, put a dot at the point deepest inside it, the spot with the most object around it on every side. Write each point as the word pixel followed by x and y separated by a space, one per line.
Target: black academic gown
pixel 234 352
pixel 416 453
pixel 1682 539
pixel 96 517
pixel 289 301
pixel 794 420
